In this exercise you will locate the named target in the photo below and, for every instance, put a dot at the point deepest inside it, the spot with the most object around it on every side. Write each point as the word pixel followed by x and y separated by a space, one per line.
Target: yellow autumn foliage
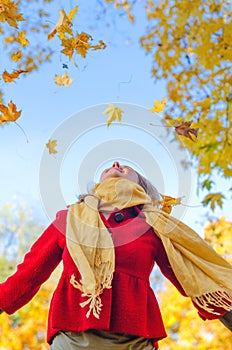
pixel 190 46
pixel 190 43
pixel 186 330
pixel 27 328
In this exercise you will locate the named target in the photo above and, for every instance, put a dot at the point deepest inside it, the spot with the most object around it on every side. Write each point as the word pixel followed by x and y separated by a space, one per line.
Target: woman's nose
pixel 116 165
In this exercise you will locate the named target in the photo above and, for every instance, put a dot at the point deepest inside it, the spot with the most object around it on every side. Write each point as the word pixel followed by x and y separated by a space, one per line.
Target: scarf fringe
pixel 94 299
pixel 220 298
pixel 95 305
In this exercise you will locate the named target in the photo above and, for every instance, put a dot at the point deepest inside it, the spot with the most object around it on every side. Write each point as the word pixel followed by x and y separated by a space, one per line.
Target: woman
pixel 109 242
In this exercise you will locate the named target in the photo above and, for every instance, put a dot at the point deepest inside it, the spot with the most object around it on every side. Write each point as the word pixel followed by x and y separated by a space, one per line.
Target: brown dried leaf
pixel 185 130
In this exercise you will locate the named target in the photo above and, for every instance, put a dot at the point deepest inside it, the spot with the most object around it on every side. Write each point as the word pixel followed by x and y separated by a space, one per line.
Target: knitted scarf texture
pixel 205 276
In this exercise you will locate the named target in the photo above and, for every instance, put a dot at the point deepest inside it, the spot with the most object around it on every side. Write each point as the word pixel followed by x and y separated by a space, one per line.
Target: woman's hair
pixel 148 187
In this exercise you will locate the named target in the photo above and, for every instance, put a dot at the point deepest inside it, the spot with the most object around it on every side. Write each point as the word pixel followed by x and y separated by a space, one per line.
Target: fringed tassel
pixel 209 301
pixel 75 283
pixel 95 305
pixel 94 300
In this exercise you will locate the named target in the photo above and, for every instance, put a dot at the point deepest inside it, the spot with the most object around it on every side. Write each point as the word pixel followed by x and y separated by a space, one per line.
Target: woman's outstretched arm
pixel 38 264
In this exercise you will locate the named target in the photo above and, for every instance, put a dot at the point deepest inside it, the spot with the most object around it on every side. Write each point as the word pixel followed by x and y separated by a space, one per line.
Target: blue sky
pixel 119 74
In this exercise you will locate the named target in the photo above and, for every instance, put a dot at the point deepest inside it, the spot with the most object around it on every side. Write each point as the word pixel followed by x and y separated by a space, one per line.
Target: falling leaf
pixel 184 129
pixel 9 114
pixel 82 44
pixel 159 106
pixel 9 13
pixel 78 43
pixel 63 24
pixel 9 77
pixel 115 113
pixel 51 146
pixel 16 56
pixel 63 80
pixel 21 39
pixel 213 199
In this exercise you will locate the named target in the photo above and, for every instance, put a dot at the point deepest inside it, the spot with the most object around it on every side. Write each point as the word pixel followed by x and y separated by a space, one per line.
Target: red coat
pixel 129 307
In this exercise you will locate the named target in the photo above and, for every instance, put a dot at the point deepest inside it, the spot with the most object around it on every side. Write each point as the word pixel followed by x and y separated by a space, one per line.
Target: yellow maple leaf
pixel 21 39
pixel 9 13
pixel 81 43
pixel 51 144
pixel 9 77
pixel 63 25
pixel 63 80
pixel 159 106
pixel 213 199
pixel 16 56
pixel 9 114
pixel 69 45
pixel 115 113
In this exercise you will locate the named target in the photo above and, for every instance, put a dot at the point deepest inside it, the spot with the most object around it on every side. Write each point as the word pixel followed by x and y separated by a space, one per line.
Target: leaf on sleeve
pixel 63 80
pixel 9 114
pixel 51 144
pixel 115 113
pixel 184 129
pixel 168 202
pixel 159 106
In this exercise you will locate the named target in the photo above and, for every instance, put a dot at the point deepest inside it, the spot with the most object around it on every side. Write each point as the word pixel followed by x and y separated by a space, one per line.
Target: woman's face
pixel 118 170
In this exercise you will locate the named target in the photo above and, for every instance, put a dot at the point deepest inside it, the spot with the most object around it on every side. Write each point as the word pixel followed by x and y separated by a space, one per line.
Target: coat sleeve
pixel 38 264
pixel 165 267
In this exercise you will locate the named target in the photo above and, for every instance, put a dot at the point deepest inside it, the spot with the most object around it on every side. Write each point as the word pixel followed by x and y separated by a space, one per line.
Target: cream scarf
pixel 204 275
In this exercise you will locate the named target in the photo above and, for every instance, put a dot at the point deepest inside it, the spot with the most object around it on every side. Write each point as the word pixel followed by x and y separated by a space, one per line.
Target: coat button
pixel 118 217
